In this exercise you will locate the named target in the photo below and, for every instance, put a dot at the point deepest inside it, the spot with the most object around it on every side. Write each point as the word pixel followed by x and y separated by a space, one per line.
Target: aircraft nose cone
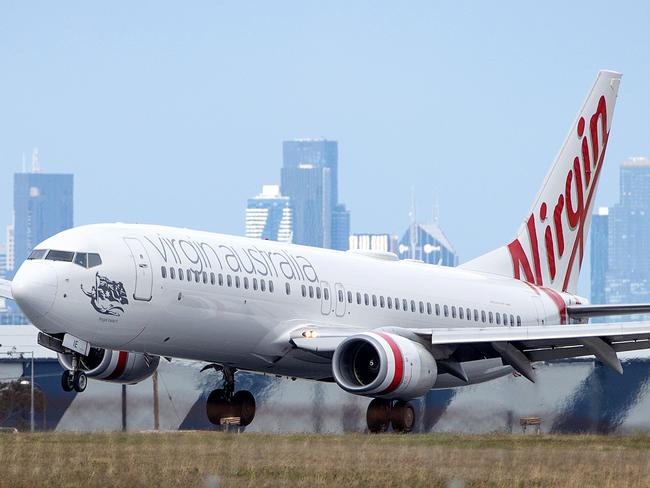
pixel 34 288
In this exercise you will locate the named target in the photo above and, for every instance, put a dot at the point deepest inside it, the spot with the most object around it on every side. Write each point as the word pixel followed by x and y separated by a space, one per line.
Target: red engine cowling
pixel 384 365
pixel 114 366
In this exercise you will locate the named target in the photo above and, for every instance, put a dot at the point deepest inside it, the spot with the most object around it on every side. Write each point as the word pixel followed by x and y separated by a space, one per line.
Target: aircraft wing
pixel 5 289
pixel 517 346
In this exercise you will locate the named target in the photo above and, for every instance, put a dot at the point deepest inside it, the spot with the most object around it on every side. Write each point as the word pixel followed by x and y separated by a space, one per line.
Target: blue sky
pixel 174 113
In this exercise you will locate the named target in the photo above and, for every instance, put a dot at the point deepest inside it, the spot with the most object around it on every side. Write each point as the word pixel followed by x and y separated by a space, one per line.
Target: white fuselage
pixel 225 316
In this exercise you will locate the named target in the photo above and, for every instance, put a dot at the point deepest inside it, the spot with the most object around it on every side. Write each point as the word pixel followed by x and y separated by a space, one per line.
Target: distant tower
pixel 268 215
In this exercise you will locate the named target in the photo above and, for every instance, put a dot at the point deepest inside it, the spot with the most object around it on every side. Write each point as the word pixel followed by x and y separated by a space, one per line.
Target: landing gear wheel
pixel 79 381
pixel 217 407
pixel 402 417
pixel 378 416
pixel 67 381
pixel 244 404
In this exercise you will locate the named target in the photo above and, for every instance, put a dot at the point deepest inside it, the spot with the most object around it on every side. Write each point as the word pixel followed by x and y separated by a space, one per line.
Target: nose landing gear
pixel 74 379
pixel 224 404
pixel 383 413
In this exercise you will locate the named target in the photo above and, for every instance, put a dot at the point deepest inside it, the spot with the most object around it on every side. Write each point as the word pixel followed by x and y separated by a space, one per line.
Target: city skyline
pixel 198 124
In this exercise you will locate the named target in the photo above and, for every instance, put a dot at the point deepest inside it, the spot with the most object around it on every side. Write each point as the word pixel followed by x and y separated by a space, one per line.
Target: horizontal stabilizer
pixel 5 289
pixel 588 311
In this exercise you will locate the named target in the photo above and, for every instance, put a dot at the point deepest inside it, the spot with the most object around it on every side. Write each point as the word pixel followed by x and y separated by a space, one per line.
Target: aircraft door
pixel 326 298
pixel 339 296
pixel 143 272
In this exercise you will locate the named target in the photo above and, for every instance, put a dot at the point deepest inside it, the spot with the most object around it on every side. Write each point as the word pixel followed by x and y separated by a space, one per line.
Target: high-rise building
pixel 599 254
pixel 628 264
pixel 43 206
pixel 268 215
pixel 3 261
pixel 9 258
pixel 373 242
pixel 310 180
pixel 427 242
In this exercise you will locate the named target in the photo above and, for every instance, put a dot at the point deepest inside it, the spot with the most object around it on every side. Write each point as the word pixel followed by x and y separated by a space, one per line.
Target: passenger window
pixel 358 298
pixel 229 280
pixel 475 315
pixel 446 310
pixel 374 300
pixel 180 274
pixel 271 286
pixel 237 282
pixel 461 311
pixel 255 284
pixel 163 271
pixel 405 305
pixel 349 297
pixel 262 285
pixel 81 258
pixel 421 307
pixel 505 319
pixel 429 309
pixel 326 293
pixel 518 321
pixel 366 299
pixel 341 298
pixel 437 310
pixel 483 316
pixel 397 304
pixel 287 288
pixel 412 305
pixel 382 301
pixel 311 291
pixel 205 277
pixel 512 321
pixel 318 292
pixel 94 260
pixel 490 317
pixel 220 279
pixel 304 291
pixel 245 283
pixel 453 312
pixel 497 316
pixel 172 273
pixel 212 280
pixel 389 302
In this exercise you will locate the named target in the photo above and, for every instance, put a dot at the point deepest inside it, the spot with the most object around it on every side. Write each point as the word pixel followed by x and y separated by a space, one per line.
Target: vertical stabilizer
pixel 549 247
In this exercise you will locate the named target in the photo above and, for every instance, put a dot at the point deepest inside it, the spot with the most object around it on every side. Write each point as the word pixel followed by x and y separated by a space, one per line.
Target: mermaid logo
pixel 106 296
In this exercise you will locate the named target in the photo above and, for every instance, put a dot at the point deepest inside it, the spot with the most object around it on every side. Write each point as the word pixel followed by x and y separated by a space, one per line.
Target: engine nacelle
pixel 380 364
pixel 114 366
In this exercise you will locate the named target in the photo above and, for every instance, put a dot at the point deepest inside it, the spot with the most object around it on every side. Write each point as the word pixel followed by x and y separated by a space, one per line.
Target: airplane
pixel 112 299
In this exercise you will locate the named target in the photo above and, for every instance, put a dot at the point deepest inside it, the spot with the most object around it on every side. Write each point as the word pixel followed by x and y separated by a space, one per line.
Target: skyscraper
pixel 268 215
pixel 599 254
pixel 42 207
pixel 310 180
pixel 427 243
pixel 628 264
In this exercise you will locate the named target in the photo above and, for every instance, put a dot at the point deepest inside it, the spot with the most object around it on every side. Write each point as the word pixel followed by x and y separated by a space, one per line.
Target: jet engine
pixel 114 366
pixel 385 365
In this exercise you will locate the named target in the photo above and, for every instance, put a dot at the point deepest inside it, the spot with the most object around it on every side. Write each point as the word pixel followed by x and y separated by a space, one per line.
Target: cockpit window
pixel 81 258
pixel 53 255
pixel 38 254
pixel 94 260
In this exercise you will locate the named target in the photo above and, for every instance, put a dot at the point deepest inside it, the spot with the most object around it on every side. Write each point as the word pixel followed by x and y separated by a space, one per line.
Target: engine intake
pixel 381 364
pixel 114 366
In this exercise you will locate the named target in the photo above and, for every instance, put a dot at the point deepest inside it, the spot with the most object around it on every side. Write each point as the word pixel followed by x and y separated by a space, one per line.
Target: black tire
pixel 79 381
pixel 217 407
pixel 244 405
pixel 378 415
pixel 402 417
pixel 67 381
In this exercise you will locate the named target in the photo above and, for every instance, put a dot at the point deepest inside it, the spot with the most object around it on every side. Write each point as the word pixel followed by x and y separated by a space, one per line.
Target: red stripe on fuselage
pixel 119 368
pixel 399 364
pixel 559 302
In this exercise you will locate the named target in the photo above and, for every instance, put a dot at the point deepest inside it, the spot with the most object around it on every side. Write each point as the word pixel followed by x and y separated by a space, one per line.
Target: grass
pixel 227 459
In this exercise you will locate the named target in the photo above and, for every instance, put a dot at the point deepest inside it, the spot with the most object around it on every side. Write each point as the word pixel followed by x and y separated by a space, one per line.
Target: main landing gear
pixel 224 405
pixel 384 413
pixel 74 380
